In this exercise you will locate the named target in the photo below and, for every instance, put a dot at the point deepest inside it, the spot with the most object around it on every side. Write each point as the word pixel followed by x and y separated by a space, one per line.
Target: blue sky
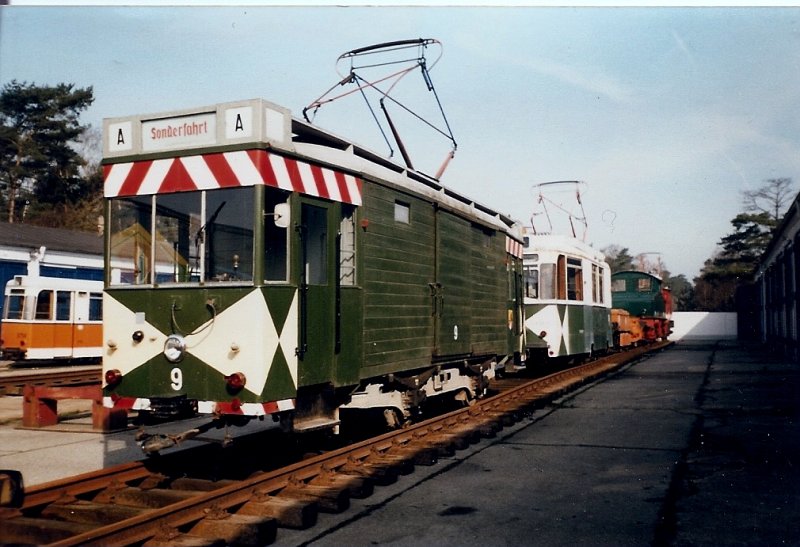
pixel 667 114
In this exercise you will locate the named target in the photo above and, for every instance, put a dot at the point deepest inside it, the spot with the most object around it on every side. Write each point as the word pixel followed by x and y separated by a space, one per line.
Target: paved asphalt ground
pixel 698 444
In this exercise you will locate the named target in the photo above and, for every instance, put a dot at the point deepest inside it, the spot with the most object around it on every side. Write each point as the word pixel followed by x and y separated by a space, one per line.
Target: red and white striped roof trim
pixel 229 169
pixel 514 247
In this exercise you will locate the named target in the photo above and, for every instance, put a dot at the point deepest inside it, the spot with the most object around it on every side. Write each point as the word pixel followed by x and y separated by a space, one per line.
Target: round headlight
pixel 174 348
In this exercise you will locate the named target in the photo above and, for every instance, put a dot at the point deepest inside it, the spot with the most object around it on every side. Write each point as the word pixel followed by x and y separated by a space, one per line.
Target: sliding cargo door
pixel 451 294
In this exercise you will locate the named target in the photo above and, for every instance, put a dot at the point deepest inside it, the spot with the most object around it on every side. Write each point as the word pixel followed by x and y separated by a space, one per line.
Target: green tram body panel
pixel 251 318
pixel 490 286
pixel 435 287
pixel 574 328
pixel 432 282
pixel 398 265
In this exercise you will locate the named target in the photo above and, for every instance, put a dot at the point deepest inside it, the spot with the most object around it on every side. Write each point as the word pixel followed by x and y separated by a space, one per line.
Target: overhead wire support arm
pixel 378 56
pixel 543 202
pixel 396 136
pixel 380 127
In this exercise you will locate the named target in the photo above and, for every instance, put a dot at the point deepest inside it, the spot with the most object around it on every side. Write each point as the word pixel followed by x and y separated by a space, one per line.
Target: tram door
pixel 80 331
pixel 452 291
pixel 317 296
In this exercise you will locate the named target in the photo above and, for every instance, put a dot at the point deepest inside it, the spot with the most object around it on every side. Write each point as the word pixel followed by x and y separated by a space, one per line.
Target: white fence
pixel 701 324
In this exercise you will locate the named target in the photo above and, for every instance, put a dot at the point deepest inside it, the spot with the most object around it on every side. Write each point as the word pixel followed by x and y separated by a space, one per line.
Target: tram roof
pixel 257 123
pixel 55 239
pixel 538 243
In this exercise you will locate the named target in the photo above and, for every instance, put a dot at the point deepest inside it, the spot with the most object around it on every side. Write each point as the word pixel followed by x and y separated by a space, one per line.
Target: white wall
pixel 701 324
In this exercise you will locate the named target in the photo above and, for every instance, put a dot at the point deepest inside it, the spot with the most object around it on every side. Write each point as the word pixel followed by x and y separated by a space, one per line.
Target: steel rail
pixel 483 418
pixel 16 381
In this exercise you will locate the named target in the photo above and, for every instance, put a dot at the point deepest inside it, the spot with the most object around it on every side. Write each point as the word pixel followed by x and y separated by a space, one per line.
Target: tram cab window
pixel 643 285
pixel 177 237
pixel 129 249
pixel 228 234
pixel 618 285
pixel 44 305
pixel 202 236
pixel 547 281
pixel 15 304
pixel 276 237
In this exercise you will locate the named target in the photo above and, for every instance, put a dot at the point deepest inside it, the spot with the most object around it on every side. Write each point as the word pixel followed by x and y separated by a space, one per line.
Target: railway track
pixel 169 505
pixel 12 382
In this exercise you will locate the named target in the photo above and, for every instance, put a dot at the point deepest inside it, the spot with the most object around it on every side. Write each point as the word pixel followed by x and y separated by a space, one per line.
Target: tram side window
pixel 15 304
pixel 63 305
pixel 315 243
pixel 574 279
pixel 601 285
pixel 95 306
pixel 402 212
pixel 531 276
pixel 598 293
pixel 347 247
pixel 44 305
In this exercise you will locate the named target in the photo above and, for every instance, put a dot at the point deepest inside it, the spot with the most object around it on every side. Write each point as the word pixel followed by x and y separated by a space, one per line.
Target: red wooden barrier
pixel 40 406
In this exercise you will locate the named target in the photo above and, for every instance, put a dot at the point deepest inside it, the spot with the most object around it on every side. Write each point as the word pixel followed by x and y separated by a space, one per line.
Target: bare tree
pixel 773 198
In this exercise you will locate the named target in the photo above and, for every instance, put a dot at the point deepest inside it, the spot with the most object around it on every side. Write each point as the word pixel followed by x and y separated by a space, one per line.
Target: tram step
pixel 315 424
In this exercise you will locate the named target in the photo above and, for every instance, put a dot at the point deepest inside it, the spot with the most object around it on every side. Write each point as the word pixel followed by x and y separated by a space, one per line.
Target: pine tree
pixel 38 128
pixel 739 252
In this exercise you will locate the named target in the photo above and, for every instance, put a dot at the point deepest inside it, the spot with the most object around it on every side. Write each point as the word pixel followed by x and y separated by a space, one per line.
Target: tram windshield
pixel 15 305
pixel 540 281
pixel 531 276
pixel 184 237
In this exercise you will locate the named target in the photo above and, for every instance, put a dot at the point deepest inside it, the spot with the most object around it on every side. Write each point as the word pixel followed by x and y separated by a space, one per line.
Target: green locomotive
pixel 259 265
pixel 645 297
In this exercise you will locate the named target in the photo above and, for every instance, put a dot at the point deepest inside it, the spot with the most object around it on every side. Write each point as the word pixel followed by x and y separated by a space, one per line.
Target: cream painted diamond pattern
pixel 248 326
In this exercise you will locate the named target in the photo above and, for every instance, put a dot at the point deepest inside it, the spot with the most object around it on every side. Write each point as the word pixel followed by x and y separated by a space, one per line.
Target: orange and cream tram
pixel 48 318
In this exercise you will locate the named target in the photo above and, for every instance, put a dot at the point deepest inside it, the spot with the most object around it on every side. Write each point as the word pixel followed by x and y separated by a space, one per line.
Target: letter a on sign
pixel 119 137
pixel 239 122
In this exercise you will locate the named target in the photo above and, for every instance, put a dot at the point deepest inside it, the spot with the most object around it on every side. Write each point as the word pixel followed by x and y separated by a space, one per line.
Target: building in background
pixel 49 252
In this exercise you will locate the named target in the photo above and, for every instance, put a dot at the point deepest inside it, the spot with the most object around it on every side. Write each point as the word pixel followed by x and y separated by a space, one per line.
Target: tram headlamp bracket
pixel 174 348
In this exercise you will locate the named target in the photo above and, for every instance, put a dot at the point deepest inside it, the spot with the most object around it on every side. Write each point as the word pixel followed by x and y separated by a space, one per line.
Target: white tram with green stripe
pixel 567 298
pixel 257 265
